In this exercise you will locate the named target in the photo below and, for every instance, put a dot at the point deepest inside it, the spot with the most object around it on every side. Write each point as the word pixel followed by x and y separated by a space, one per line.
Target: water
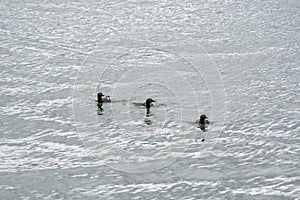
pixel 236 61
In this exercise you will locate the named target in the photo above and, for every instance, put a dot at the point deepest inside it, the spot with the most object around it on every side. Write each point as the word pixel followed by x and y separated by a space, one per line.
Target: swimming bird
pixel 100 101
pixel 148 104
pixel 203 122
pixel 100 98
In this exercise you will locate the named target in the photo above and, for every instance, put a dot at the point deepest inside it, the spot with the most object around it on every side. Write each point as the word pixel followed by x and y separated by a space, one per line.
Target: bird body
pixel 203 122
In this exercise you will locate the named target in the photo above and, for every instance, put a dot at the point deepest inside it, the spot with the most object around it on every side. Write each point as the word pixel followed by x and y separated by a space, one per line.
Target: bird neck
pixel 148 110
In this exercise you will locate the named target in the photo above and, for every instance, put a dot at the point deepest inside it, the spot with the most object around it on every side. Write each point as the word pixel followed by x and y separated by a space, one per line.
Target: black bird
pixel 203 122
pixel 148 104
pixel 99 99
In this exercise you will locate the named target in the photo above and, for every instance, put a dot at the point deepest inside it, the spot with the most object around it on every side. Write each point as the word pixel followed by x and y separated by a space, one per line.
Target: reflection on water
pixel 100 109
pixel 148 119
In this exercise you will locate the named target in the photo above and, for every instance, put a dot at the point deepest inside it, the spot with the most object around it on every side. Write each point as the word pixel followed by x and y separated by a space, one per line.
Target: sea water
pixel 235 61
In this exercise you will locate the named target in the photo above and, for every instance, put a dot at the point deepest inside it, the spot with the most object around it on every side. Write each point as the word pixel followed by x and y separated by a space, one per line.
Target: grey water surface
pixel 191 56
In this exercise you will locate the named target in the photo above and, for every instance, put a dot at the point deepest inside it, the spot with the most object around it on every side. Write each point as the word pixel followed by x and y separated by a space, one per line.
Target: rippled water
pixel 236 61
